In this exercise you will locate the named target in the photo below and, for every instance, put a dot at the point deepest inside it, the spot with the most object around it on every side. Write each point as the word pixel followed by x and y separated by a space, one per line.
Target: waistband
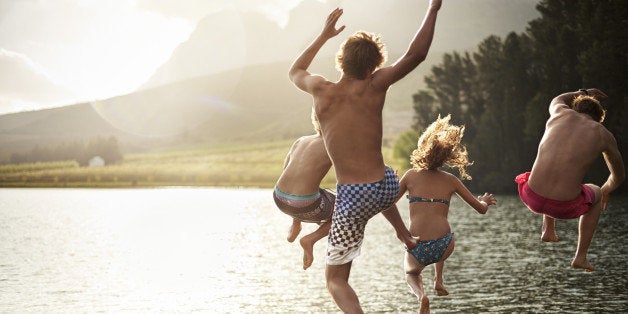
pixel 295 197
pixel 388 172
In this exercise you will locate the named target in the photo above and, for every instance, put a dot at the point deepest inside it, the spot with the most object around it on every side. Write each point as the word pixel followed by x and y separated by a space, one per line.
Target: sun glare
pixel 94 50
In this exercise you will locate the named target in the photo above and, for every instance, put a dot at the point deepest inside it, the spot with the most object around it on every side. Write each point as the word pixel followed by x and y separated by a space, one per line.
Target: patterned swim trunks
pixel 316 208
pixel 355 205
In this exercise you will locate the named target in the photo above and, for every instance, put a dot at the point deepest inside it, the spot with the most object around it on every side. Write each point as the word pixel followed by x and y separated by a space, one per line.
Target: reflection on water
pixel 224 250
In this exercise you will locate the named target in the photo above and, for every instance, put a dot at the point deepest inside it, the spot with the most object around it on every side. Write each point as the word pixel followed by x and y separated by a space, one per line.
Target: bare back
pixel 428 220
pixel 571 143
pixel 306 165
pixel 350 114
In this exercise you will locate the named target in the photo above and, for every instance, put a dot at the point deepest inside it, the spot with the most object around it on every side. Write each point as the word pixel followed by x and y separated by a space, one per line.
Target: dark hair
pixel 360 55
pixel 589 105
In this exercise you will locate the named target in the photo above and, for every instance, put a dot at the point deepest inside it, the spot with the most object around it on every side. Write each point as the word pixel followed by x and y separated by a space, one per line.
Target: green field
pixel 257 165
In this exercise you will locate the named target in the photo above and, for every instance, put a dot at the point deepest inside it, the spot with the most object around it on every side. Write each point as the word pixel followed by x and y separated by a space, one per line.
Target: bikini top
pixel 414 199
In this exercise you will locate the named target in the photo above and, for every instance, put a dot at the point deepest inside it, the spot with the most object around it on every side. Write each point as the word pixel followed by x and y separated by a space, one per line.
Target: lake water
pixel 224 251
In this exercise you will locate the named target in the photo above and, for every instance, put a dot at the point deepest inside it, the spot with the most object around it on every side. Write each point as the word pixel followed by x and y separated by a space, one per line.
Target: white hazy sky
pixel 94 49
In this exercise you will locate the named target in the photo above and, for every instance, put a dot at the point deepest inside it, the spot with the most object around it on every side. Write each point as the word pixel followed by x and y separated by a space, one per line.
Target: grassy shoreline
pixel 256 165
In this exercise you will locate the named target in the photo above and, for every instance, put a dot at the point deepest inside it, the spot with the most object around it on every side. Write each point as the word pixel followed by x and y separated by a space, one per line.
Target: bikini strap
pixel 414 199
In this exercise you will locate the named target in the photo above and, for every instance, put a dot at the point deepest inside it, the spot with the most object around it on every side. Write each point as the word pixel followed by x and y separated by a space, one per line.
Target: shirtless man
pixel 350 114
pixel 574 138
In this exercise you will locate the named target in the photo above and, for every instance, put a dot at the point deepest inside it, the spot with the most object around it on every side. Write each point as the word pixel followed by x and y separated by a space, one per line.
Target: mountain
pixel 256 103
pixel 229 39
pixel 252 104
pixel 229 81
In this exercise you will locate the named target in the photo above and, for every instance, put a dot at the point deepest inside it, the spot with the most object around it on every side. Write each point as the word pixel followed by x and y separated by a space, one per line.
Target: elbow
pixel 291 75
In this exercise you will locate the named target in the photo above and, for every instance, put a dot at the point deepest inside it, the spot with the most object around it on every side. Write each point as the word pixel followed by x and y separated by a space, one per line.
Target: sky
pixel 83 50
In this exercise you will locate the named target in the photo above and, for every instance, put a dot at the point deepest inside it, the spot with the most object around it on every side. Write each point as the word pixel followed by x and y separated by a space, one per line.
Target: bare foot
pixel 549 237
pixel 293 232
pixel 583 264
pixel 440 289
pixel 425 305
pixel 308 253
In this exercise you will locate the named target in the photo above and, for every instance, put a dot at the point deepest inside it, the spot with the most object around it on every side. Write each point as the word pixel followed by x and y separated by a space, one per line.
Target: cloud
pixel 97 49
pixel 195 10
pixel 22 79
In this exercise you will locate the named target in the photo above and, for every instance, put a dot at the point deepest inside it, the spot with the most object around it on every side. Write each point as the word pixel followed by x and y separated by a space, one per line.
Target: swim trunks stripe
pixel 318 210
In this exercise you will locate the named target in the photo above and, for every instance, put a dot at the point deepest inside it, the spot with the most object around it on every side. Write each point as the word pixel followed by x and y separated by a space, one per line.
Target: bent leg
pixel 337 278
pixel 586 229
pixel 548 233
pixel 294 230
pixel 307 243
pixel 415 281
pixel 438 270
pixel 438 279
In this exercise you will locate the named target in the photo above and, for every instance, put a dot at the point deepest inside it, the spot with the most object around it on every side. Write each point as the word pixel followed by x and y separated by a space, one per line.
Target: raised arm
pixel 480 204
pixel 416 53
pixel 615 165
pixel 564 101
pixel 298 72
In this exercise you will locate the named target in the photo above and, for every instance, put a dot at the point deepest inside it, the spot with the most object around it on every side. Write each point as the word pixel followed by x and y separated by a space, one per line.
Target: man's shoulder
pixel 322 84
pixel 307 139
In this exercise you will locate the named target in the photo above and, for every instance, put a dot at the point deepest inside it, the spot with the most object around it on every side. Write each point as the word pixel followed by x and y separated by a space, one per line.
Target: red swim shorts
pixel 555 209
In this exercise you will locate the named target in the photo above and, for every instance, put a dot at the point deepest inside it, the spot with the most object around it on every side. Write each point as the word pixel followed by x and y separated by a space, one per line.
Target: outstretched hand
pixel 329 29
pixel 489 199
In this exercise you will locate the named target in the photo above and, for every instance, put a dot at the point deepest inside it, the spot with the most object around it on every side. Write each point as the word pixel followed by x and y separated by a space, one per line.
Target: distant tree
pixel 107 148
pixel 111 150
pixel 403 147
pixel 17 158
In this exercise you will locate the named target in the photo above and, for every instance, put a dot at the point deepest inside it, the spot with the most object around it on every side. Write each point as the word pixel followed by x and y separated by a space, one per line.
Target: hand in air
pixel 597 94
pixel 330 30
pixel 435 4
pixel 489 199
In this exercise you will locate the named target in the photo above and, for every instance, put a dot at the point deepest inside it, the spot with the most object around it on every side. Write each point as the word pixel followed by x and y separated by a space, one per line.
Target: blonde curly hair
pixel 440 145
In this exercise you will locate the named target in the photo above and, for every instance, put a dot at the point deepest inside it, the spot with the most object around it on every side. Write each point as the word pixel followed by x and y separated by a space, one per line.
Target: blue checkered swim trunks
pixel 355 205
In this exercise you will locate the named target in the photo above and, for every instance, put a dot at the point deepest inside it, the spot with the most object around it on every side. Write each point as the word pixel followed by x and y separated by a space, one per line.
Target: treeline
pixel 501 92
pixel 106 148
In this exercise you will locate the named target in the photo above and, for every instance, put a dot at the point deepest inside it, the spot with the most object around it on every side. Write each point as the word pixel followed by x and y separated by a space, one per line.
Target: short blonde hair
pixel 440 145
pixel 361 54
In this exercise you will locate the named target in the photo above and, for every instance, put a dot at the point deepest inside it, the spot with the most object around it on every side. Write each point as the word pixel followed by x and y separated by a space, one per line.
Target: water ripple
pixel 224 251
